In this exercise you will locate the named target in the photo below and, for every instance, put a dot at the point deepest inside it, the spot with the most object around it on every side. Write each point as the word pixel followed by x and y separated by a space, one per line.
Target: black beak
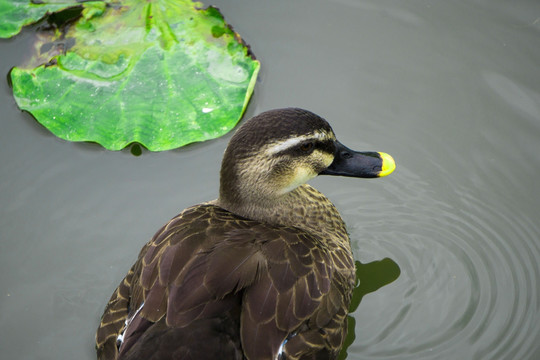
pixel 359 164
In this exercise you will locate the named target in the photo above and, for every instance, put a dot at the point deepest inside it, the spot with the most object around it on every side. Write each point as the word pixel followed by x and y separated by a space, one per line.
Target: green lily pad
pixel 162 73
pixel 14 14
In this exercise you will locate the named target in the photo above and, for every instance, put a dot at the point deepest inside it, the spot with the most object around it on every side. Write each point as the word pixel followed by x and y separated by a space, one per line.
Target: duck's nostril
pixel 346 155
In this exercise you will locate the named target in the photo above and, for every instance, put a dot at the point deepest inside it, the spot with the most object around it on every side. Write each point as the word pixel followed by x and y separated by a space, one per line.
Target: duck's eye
pixel 307 147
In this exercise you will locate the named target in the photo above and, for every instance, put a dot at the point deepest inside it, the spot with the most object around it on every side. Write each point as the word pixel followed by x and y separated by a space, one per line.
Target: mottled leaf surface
pixel 163 73
pixel 14 14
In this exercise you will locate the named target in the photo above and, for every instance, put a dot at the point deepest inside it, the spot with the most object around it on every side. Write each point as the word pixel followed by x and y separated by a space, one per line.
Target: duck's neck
pixel 304 208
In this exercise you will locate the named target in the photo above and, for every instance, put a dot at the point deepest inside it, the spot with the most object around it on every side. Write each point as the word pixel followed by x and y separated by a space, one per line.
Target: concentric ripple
pixel 469 284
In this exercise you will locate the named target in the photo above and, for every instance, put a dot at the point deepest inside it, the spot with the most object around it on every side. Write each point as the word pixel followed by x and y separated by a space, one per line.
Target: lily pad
pixel 14 14
pixel 162 73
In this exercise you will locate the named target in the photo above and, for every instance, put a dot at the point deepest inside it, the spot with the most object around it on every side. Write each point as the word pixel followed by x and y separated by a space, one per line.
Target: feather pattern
pixel 279 274
pixel 263 272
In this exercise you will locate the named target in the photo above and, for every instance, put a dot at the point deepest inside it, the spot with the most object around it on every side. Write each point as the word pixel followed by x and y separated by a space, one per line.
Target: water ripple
pixel 469 284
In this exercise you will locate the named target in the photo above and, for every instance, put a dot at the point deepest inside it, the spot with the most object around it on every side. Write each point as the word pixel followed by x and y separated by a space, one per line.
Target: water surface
pixel 450 89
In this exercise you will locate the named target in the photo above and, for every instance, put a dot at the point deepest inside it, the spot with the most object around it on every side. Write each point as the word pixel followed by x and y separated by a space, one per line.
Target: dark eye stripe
pixel 307 147
pixel 326 146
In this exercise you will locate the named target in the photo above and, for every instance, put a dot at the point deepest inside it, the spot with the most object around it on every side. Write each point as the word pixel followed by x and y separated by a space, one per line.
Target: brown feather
pixel 285 318
pixel 280 280
pixel 235 278
pixel 260 340
pixel 304 305
pixel 259 301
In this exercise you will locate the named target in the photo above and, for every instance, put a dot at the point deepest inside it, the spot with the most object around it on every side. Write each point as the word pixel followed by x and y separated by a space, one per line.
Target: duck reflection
pixel 370 277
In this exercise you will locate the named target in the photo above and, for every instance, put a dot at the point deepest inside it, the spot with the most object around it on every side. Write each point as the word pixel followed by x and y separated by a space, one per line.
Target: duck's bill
pixel 348 162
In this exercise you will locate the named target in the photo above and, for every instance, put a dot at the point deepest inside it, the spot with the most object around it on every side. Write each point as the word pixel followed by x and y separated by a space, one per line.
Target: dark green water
pixel 450 88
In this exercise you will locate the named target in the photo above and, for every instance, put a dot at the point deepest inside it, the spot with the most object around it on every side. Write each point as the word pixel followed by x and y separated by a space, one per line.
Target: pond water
pixel 450 88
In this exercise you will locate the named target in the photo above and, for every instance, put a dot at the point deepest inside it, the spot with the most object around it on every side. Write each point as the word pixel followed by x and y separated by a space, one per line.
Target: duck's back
pixel 212 284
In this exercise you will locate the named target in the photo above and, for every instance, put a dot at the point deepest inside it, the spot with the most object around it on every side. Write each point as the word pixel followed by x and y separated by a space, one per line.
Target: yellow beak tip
pixel 388 164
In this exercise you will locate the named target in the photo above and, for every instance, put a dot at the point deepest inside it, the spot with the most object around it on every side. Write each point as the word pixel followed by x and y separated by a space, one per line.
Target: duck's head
pixel 276 151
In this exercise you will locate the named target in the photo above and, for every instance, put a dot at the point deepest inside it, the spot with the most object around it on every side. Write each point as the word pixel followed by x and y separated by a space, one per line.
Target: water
pixel 450 89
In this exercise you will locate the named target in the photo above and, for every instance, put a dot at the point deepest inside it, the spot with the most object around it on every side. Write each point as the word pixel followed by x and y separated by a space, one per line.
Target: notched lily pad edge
pixel 71 15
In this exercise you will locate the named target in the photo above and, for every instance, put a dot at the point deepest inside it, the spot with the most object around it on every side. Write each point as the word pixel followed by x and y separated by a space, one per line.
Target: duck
pixel 265 271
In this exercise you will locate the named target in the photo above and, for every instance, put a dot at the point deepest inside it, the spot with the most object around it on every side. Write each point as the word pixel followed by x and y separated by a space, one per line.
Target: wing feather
pixel 206 262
